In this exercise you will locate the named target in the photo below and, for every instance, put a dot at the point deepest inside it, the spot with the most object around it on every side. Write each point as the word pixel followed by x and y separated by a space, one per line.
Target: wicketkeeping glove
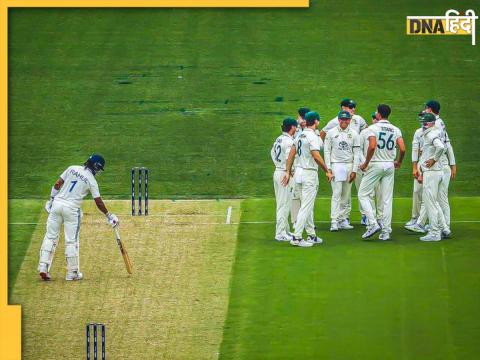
pixel 48 205
pixel 112 219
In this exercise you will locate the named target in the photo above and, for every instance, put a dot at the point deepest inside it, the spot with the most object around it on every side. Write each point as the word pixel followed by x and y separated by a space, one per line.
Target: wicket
pixel 95 343
pixel 142 171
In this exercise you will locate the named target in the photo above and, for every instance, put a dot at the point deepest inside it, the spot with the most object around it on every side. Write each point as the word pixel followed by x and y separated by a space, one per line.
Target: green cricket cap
pixel 348 103
pixel 426 117
pixel 312 115
pixel 290 122
pixel 434 105
pixel 373 115
pixel 344 115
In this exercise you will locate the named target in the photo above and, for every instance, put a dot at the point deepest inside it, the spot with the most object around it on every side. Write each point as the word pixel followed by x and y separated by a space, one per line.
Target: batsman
pixel 64 207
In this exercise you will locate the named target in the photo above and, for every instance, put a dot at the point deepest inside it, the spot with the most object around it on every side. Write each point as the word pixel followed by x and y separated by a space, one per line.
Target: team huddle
pixel 354 152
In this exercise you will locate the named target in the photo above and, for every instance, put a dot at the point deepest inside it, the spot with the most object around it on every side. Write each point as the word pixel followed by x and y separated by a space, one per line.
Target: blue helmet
pixel 95 162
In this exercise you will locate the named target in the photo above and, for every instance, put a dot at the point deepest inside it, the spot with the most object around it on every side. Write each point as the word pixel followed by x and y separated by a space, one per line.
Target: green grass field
pixel 197 95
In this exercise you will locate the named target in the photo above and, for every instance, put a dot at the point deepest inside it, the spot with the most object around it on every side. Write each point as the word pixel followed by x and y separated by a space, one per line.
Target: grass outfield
pixel 354 299
pixel 172 307
pixel 107 80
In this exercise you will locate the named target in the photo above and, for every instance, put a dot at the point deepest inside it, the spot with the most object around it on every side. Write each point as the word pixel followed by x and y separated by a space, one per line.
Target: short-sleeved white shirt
pixel 78 181
pixel 432 138
pixel 280 151
pixel 340 144
pixel 307 142
pixel 387 135
pixel 357 123
pixel 417 143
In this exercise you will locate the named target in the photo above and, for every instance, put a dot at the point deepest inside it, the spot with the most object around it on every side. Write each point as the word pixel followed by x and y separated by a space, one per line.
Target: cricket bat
pixel 126 258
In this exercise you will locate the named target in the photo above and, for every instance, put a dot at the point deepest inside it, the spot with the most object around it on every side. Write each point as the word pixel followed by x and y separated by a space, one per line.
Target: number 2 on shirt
pixel 73 185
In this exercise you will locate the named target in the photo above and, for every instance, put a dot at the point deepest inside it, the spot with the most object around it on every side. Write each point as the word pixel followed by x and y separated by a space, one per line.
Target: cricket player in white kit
pixel 358 124
pixel 283 195
pixel 379 168
pixel 296 193
pixel 432 170
pixel 341 151
pixel 64 207
pixel 307 145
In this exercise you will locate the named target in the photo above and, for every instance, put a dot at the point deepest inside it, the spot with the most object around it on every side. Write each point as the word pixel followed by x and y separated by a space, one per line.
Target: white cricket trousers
pixel 432 181
pixel 308 192
pixel 383 174
pixel 71 218
pixel 417 198
pixel 283 197
pixel 373 195
pixel 443 194
pixel 340 205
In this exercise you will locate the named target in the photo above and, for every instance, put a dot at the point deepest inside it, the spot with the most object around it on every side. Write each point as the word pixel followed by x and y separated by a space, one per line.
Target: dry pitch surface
pixel 173 306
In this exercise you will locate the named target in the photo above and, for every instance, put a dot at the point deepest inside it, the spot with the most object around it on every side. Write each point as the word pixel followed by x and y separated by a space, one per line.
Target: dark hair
pixel 286 128
pixel 310 122
pixel 384 110
pixel 302 111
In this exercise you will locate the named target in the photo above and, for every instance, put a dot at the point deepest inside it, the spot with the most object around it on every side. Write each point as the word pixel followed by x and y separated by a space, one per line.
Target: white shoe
pixel 416 228
pixel 75 276
pixel 430 237
pixel 345 225
pixel 428 227
pixel 412 221
pixel 314 239
pixel 301 243
pixel 384 236
pixel 43 272
pixel 371 231
pixel 446 234
pixel 283 238
pixel 334 226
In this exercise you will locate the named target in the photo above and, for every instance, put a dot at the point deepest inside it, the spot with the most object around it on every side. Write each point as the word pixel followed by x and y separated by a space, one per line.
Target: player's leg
pixel 386 190
pixel 282 194
pixel 443 194
pixel 335 204
pixel 358 182
pixel 378 204
pixel 345 199
pixel 295 207
pixel 50 241
pixel 431 181
pixel 307 200
pixel 416 202
pixel 369 181
pixel 72 220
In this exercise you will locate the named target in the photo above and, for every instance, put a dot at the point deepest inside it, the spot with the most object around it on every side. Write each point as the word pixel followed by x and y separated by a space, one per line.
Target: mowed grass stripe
pixel 351 299
pixel 172 307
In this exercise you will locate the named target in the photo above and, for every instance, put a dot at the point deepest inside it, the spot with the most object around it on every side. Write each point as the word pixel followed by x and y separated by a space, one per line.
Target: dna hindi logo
pixel 453 23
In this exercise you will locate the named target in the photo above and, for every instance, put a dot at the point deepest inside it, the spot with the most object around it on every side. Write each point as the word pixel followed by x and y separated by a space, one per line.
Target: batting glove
pixel 112 219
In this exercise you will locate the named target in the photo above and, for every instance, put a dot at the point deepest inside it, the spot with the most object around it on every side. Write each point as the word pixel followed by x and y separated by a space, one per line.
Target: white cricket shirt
pixel 339 146
pixel 387 135
pixel 280 151
pixel 307 141
pixel 78 182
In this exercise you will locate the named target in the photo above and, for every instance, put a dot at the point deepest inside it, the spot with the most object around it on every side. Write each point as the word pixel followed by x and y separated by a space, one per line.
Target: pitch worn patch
pixel 172 307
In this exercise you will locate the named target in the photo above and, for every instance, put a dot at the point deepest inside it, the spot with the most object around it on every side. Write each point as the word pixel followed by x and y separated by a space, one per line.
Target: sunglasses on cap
pixel 351 106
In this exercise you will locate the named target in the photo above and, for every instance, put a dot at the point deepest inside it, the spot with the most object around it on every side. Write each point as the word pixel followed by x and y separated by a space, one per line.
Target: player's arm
pixel 356 157
pixel 327 152
pixel 55 189
pixel 322 134
pixel 401 152
pixel 451 158
pixel 439 150
pixel 372 144
pixel 319 160
pixel 291 157
pixel 415 156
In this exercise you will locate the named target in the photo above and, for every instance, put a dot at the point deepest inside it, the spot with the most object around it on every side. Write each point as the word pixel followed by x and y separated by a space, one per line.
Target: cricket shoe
pixel 314 239
pixel 416 228
pixel 431 237
pixel 345 225
pixel 74 276
pixel 364 220
pixel 384 236
pixel 412 222
pixel 43 272
pixel 285 237
pixel 300 243
pixel 446 234
pixel 333 226
pixel 371 231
